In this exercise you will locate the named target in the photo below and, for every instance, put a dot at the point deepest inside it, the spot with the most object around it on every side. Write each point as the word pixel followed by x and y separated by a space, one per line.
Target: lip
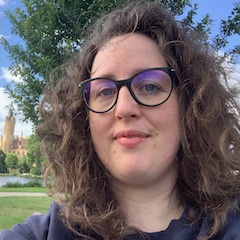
pixel 130 138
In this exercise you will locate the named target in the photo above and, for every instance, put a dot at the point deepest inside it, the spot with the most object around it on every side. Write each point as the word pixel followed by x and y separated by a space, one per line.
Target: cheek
pixel 168 121
pixel 169 114
pixel 98 130
pixel 94 129
pixel 175 126
pixel 173 109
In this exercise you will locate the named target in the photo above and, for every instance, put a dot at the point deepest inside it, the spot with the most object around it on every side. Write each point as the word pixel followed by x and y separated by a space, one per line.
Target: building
pixel 10 143
pixel 19 146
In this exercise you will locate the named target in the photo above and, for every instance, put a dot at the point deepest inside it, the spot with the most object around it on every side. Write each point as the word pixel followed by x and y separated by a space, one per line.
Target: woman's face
pixel 137 144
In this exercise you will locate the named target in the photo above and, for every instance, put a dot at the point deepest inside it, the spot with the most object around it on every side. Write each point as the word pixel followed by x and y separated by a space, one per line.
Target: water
pixel 5 179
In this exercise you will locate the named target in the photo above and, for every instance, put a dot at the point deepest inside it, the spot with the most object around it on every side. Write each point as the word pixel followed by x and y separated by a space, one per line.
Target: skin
pixel 144 163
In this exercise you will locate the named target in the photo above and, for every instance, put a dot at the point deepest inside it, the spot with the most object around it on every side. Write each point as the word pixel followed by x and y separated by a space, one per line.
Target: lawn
pixel 22 189
pixel 15 210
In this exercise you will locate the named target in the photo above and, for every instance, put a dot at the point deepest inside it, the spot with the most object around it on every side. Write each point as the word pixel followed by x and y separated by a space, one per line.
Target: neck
pixel 150 210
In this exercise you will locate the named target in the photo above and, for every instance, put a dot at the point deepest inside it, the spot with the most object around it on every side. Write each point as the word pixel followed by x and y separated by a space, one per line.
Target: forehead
pixel 127 52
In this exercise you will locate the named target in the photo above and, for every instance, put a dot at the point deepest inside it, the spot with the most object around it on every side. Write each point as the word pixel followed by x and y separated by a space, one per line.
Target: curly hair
pixel 210 142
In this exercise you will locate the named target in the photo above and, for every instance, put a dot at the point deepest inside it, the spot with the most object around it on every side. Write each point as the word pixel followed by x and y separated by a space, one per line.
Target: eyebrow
pixel 114 77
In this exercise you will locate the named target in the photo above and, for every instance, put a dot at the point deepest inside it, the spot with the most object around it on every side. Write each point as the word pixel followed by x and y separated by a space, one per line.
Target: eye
pixel 151 83
pixel 106 92
pixel 149 88
pixel 102 89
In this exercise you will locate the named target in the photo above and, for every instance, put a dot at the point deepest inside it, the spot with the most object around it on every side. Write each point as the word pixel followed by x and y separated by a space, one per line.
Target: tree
pixel 23 165
pixel 229 27
pixel 34 156
pixel 3 167
pixel 11 161
pixel 53 30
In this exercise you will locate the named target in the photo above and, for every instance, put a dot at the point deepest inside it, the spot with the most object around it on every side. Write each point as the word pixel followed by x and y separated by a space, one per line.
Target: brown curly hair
pixel 210 143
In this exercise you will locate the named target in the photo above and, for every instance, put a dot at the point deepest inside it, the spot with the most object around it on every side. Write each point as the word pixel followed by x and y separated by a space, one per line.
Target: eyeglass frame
pixel 127 82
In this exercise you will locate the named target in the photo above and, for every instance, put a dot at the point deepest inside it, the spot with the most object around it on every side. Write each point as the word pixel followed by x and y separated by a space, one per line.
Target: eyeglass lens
pixel 150 88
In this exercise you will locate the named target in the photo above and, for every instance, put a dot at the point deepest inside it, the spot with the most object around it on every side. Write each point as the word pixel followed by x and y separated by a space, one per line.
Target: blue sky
pixel 218 9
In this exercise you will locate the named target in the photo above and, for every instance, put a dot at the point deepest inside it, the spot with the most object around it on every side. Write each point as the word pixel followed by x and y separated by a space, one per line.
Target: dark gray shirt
pixel 50 227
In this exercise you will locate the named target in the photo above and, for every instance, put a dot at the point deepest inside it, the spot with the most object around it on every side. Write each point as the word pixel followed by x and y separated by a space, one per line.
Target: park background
pixel 16 209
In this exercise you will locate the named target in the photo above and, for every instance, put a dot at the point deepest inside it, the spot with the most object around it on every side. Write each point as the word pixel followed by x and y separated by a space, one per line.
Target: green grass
pixel 15 210
pixel 26 189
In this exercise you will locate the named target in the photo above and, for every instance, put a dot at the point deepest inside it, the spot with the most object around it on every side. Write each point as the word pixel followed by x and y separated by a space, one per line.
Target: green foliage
pixel 176 7
pixel 52 30
pixel 11 161
pixel 3 167
pixel 22 185
pixel 12 184
pixel 228 28
pixel 23 165
pixel 34 156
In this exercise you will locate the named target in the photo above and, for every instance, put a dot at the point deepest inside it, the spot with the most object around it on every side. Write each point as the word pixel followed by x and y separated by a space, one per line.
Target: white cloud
pixel 3 36
pixel 3 2
pixel 233 71
pixel 7 75
pixel 25 128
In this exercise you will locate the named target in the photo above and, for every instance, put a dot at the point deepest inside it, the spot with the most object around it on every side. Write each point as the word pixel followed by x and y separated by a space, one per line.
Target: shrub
pixel 20 185
pixel 33 184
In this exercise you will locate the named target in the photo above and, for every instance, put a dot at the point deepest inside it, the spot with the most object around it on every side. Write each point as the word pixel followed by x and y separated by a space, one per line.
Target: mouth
pixel 130 138
pixel 130 134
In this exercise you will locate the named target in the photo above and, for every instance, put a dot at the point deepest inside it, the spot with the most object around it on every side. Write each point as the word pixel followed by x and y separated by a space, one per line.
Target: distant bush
pixel 20 185
pixel 12 184
pixel 32 184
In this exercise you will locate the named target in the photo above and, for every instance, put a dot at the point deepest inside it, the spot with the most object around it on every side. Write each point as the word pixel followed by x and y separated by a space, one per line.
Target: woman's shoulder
pixel 232 226
pixel 39 227
pixel 231 229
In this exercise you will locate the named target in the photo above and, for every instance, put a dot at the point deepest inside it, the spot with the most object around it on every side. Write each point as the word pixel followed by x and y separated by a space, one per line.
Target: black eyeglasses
pixel 150 87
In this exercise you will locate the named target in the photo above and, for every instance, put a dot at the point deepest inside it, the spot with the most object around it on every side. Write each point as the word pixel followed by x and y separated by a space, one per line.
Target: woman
pixel 141 138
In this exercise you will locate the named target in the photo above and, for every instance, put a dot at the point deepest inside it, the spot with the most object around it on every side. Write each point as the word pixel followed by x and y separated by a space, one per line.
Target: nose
pixel 126 106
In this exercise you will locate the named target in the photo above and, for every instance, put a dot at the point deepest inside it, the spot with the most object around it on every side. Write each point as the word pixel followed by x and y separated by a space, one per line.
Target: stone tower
pixel 8 132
